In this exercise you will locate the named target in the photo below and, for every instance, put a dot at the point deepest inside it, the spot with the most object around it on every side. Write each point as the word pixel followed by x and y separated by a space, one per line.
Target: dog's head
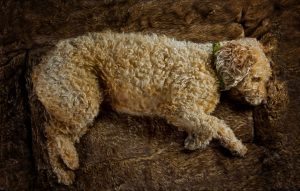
pixel 244 70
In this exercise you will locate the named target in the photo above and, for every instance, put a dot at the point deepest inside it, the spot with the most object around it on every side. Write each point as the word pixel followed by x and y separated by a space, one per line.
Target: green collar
pixel 216 46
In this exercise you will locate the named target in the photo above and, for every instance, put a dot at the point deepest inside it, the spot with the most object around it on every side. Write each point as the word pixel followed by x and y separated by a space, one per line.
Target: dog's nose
pixel 264 101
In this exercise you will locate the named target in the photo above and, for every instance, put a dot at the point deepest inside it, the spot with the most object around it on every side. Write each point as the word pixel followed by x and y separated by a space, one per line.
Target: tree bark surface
pixel 123 152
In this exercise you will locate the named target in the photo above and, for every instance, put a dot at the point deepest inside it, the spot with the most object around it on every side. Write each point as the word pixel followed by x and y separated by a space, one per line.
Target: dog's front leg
pixel 202 127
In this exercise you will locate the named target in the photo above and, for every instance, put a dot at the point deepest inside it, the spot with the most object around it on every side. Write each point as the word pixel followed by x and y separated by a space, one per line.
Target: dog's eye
pixel 256 79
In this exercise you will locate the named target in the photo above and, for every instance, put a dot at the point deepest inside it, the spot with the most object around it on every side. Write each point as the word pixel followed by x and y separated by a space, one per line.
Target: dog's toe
pixel 190 143
pixel 193 142
pixel 240 151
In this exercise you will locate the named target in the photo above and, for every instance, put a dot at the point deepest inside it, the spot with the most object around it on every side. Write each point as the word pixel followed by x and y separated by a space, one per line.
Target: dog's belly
pixel 135 101
pixel 136 90
pixel 151 98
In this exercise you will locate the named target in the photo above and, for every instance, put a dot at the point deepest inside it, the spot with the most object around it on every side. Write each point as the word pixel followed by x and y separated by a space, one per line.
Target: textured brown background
pixel 128 153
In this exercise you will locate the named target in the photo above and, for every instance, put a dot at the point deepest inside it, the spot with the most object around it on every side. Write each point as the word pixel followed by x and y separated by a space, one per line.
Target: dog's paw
pixel 70 158
pixel 236 148
pixel 68 153
pixel 194 141
pixel 239 150
pixel 65 177
pixel 190 143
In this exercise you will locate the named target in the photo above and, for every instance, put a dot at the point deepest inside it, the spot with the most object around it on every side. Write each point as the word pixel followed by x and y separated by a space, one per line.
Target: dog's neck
pixel 215 48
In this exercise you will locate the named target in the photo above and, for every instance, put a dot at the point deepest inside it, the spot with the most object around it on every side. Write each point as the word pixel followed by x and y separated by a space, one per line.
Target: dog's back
pixel 139 72
pixel 143 72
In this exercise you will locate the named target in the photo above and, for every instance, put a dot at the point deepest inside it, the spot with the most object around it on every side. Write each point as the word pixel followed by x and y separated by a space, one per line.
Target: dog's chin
pixel 254 101
pixel 244 99
pixel 248 100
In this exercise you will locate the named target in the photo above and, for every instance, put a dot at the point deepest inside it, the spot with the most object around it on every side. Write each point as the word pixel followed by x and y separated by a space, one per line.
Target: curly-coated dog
pixel 145 75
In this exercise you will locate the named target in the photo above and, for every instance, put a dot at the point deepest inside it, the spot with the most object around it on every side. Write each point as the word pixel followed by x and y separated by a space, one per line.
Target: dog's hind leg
pixel 56 146
pixel 72 99
pixel 64 133
pixel 62 142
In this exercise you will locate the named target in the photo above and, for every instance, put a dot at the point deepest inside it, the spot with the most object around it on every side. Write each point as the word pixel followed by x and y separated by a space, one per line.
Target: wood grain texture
pixel 142 153
pixel 16 160
pixel 154 158
pixel 278 124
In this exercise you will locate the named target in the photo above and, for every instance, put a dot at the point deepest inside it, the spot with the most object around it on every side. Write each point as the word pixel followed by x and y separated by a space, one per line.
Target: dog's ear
pixel 233 63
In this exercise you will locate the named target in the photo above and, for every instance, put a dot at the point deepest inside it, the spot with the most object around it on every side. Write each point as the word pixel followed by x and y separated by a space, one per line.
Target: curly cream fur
pixel 146 75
